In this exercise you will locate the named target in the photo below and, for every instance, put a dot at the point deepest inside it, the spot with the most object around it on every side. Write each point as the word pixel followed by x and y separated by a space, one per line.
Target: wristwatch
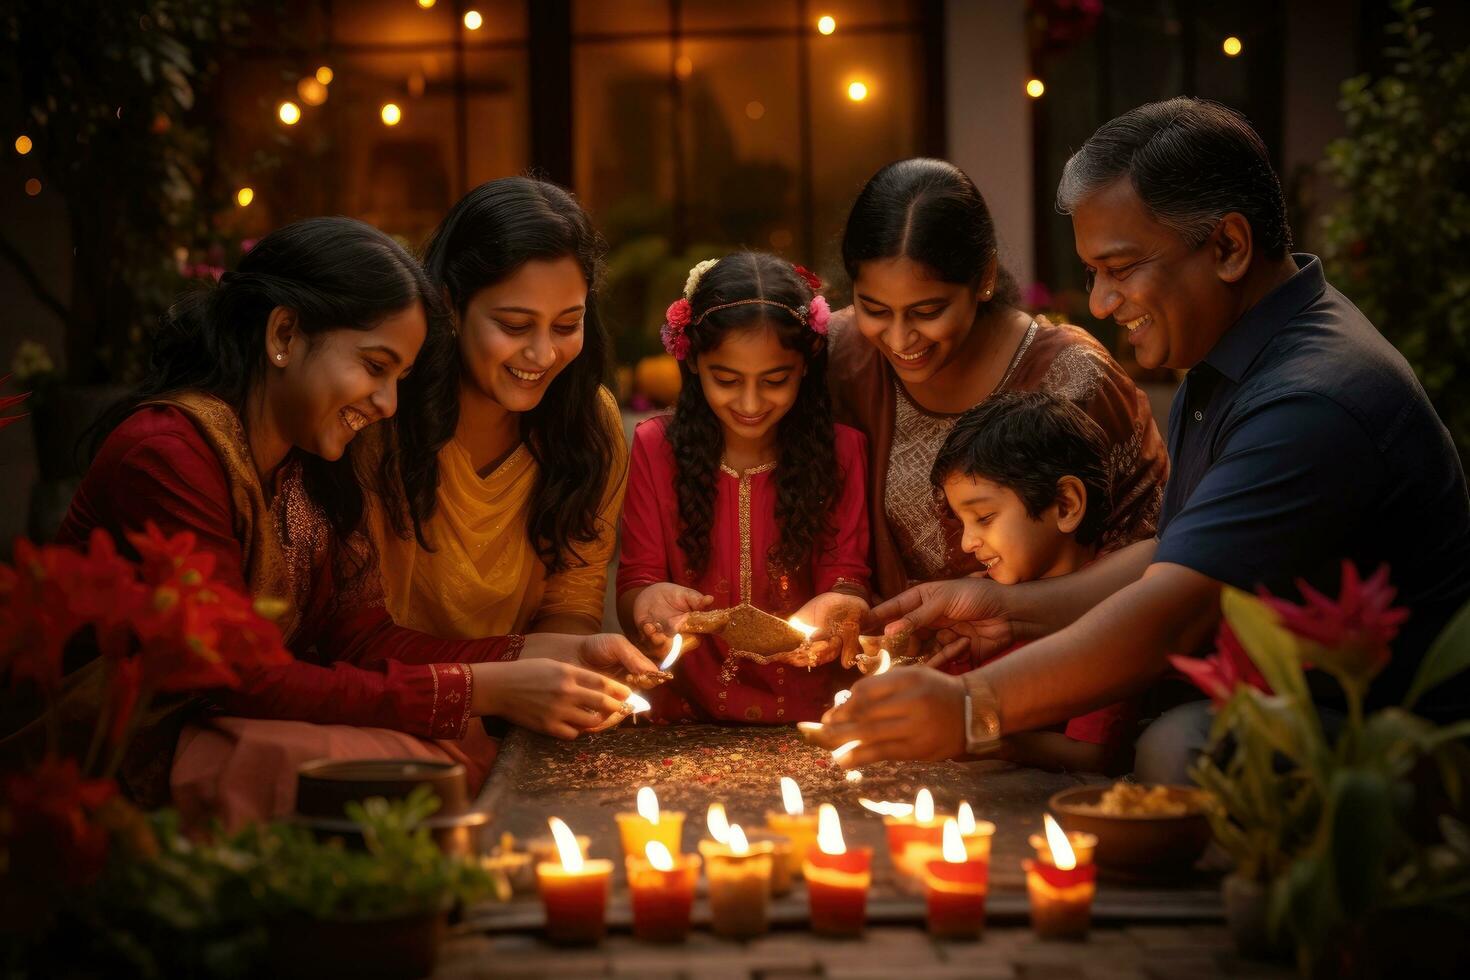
pixel 982 715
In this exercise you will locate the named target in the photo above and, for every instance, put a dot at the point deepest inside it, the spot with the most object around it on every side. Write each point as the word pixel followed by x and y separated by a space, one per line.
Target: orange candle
pixel 837 880
pixel 795 824
pixel 955 889
pixel 649 824
pixel 784 866
pixel 662 893
pixel 573 891
pixel 739 876
pixel 922 827
pixel 977 834
pixel 1061 882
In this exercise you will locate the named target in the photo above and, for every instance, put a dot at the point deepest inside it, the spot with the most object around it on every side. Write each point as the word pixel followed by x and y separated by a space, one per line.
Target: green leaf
pixel 1274 649
pixel 1447 656
pixel 1361 837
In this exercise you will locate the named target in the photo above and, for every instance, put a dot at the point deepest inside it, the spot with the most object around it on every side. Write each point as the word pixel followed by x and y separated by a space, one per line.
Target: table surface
pixel 587 780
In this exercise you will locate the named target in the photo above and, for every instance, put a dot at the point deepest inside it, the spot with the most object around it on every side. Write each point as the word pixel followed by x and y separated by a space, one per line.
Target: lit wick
pixel 845 748
pixel 674 650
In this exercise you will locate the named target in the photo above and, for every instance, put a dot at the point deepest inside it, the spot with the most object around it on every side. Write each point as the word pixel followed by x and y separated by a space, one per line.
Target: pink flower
pixel 678 314
pixel 1220 674
pixel 1352 635
pixel 676 318
pixel 819 314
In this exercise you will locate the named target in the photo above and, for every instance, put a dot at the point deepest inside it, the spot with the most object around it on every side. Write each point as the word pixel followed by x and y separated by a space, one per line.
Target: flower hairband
pixel 680 315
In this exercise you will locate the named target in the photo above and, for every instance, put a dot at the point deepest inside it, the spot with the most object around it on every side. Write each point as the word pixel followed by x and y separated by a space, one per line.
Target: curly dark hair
pixel 1026 441
pixel 806 476
pixel 494 230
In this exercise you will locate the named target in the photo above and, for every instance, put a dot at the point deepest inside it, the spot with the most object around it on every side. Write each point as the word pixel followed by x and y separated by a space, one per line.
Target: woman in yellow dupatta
pixel 530 461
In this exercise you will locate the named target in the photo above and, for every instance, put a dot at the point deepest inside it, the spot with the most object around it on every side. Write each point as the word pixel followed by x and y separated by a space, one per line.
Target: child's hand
pixel 660 610
pixel 837 617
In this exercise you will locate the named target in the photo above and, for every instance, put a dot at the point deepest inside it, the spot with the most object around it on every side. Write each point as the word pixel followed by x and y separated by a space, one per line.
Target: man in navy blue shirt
pixel 1299 438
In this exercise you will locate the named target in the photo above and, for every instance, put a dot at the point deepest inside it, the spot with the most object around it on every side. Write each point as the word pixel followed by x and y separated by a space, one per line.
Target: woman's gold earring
pixel 280 357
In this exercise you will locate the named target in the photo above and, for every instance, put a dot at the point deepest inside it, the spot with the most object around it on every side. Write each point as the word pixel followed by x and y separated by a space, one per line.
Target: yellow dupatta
pixel 483 577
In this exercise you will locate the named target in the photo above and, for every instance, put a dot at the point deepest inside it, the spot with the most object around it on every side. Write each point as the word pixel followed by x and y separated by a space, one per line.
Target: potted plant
pixel 1349 837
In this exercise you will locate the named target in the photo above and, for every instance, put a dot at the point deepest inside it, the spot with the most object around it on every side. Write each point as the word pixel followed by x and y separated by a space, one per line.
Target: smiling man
pixel 1299 438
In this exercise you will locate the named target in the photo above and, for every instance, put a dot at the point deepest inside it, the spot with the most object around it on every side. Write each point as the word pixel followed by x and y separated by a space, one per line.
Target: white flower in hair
pixel 696 274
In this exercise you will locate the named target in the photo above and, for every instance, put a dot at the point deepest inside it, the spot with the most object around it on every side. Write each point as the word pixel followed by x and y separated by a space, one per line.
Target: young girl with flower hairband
pixel 747 493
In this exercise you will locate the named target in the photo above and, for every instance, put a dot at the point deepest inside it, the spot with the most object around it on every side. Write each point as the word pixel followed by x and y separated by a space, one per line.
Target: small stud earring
pixel 280 357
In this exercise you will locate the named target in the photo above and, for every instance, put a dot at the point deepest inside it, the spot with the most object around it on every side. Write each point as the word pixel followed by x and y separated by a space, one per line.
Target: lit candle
pixel 921 827
pixel 1061 882
pixel 739 885
pixel 955 887
pixel 837 880
pixel 544 849
pixel 806 638
pixel 649 824
pixel 662 892
pixel 573 891
pixel 635 705
pixel 976 834
pixel 795 824
pixel 785 865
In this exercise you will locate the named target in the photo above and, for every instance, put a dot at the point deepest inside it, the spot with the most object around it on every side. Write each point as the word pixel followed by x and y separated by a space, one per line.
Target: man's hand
pixel 837 617
pixel 907 713
pixel 971 610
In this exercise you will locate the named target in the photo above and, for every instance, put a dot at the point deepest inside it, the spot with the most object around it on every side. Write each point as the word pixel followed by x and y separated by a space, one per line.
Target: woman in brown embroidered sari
pixel 935 329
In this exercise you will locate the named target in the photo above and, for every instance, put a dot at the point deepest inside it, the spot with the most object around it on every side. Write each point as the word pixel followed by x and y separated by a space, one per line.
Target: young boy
pixel 1025 473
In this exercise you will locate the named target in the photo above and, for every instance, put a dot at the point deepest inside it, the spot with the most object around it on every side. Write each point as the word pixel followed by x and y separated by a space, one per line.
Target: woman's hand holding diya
pixel 838 617
pixel 659 611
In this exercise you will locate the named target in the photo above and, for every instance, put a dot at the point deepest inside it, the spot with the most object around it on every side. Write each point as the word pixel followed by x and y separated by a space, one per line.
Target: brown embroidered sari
pixel 915 537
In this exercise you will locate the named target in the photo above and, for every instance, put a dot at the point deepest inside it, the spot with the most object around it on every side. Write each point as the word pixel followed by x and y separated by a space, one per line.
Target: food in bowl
pixel 1138 800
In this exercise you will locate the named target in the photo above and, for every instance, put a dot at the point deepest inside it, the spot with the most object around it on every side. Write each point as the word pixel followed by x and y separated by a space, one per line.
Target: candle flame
pixel 886 809
pixel 884 663
pixel 924 806
pixel 674 651
pixel 829 830
pixel 648 804
pixel 738 843
pixel 1062 854
pixel 636 703
pixel 567 847
pixel 954 844
pixel 791 797
pixel 853 776
pixel 659 856
pixel 840 698
pixel 719 825
pixel 966 819
pixel 845 748
pixel 802 628
pixel 808 726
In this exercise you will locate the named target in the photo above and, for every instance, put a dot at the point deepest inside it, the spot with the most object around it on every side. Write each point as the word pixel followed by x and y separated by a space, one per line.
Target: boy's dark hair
pixel 1026 441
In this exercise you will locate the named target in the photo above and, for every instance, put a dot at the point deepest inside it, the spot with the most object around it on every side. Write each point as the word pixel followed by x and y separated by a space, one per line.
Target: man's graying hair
pixel 1191 162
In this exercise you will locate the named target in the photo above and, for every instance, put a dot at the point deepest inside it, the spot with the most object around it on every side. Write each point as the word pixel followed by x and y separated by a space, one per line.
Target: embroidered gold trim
pixel 434 704
pixel 737 474
pixel 469 691
pixel 745 560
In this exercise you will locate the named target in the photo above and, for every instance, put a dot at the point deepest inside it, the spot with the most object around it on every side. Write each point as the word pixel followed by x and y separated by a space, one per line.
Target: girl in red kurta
pixel 748 493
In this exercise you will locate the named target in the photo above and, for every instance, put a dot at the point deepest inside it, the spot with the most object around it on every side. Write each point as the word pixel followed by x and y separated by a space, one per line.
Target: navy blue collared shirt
pixel 1303 438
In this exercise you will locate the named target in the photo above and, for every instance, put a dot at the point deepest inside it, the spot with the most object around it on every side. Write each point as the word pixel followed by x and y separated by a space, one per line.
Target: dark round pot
pixel 326 786
pixel 406 946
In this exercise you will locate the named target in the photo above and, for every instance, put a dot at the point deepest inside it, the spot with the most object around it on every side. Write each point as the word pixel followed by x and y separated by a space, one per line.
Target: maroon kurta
pixel 706 687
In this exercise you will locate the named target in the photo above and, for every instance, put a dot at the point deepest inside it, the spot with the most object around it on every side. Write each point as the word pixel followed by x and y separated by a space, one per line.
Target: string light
pixel 1232 46
pixel 312 92
pixel 325 75
pixel 244 196
pixel 473 20
pixel 826 25
pixel 23 144
pixel 289 112
pixel 33 187
pixel 1035 88
pixel 426 4
pixel 857 91
pixel 391 114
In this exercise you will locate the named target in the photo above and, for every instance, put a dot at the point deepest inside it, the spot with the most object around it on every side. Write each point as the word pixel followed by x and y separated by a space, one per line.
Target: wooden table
pixel 588 780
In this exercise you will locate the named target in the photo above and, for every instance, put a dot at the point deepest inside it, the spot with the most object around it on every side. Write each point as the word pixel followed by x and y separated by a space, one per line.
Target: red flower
pixel 1353 634
pixel 811 278
pixel 50 830
pixel 678 314
pixel 37 616
pixel 9 402
pixel 1220 674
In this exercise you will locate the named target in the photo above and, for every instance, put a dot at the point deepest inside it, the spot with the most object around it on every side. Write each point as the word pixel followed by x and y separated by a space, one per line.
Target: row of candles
pixel 948 854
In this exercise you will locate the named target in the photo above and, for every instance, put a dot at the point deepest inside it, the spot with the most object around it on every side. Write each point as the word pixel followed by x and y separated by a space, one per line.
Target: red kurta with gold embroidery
pixel 708 686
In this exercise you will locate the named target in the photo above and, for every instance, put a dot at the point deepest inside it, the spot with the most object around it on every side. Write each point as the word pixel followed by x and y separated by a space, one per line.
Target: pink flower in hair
pixel 677 315
pixel 676 318
pixel 818 315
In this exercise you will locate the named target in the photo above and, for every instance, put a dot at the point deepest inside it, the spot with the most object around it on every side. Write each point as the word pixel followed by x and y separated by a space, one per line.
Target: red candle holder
pixel 904 834
pixel 575 901
pixel 954 896
pixel 1061 899
pixel 662 900
pixel 837 890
